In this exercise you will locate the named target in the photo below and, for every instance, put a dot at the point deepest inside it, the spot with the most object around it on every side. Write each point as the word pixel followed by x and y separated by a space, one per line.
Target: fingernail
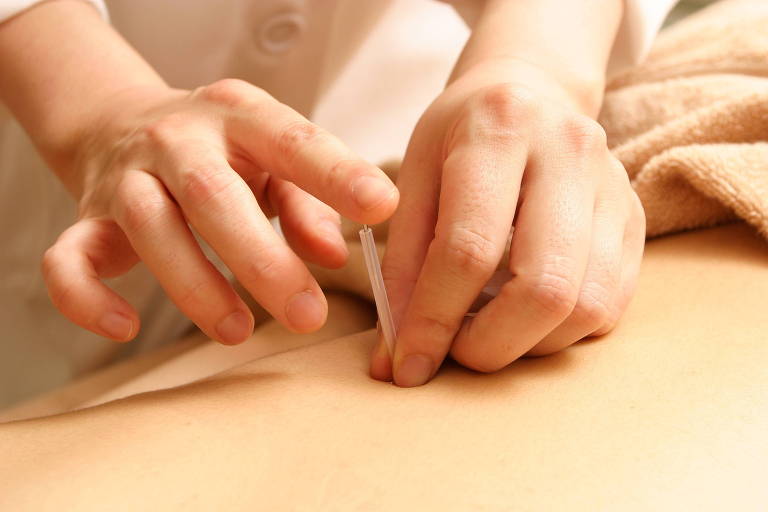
pixel 305 312
pixel 369 192
pixel 117 326
pixel 414 370
pixel 234 328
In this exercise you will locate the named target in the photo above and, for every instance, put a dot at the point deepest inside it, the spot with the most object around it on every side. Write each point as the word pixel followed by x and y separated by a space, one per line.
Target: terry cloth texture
pixel 690 124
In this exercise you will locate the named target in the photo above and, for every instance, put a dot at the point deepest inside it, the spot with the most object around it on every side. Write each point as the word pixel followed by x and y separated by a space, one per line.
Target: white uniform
pixel 363 70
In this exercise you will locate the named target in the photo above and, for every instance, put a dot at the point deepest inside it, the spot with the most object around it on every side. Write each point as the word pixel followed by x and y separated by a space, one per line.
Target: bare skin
pixel 512 139
pixel 668 411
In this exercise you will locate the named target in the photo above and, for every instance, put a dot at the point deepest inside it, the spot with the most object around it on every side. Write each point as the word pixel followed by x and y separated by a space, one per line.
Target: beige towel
pixel 691 124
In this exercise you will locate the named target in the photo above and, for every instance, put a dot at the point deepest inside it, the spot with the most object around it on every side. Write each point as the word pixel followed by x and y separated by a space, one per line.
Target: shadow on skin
pixel 732 245
pixel 669 410
pixel 341 364
pixel 735 242
pixel 323 364
pixel 517 374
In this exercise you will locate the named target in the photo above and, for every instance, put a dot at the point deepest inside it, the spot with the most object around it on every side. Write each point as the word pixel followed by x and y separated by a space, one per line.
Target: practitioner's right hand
pixel 220 159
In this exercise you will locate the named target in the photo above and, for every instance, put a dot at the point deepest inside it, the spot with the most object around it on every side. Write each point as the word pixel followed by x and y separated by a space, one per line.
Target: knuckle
pixel 291 138
pixel 582 134
pixel 593 307
pixel 500 113
pixel 60 294
pixel 200 186
pixel 49 262
pixel 265 267
pixel 433 327
pixel 468 251
pixel 553 291
pixel 135 213
pixel 507 103
pixel 229 92
pixel 339 171
pixel 335 174
pixel 193 294
pixel 164 132
pixel 398 275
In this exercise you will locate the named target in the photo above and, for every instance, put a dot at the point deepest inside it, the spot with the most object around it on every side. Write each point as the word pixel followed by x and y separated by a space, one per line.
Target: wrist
pixel 582 93
pixel 560 48
pixel 61 64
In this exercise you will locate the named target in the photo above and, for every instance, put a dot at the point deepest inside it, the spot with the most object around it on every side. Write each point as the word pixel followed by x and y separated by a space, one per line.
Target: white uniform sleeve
pixel 642 21
pixel 10 8
pixel 639 26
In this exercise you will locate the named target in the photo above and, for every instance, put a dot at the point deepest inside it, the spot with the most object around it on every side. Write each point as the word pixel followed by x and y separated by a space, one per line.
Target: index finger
pixel 284 143
pixel 481 181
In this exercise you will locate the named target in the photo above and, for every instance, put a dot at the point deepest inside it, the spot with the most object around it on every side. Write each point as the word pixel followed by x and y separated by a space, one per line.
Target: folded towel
pixel 690 124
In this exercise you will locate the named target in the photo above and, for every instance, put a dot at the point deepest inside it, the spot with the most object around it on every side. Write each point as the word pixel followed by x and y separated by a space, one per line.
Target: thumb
pixel 90 250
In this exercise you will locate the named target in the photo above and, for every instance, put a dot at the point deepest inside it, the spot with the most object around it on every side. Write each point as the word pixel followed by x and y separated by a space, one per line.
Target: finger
pixel 480 185
pixel 412 227
pixel 311 227
pixel 160 235
pixel 411 230
pixel 548 257
pixel 283 142
pixel 73 267
pixel 634 243
pixel 599 297
pixel 381 361
pixel 257 180
pixel 221 207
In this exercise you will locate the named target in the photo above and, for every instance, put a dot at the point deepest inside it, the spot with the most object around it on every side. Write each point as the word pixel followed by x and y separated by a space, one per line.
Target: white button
pixel 281 32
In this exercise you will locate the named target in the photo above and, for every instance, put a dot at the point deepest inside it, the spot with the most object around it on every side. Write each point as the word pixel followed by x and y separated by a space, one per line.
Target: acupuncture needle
pixel 386 322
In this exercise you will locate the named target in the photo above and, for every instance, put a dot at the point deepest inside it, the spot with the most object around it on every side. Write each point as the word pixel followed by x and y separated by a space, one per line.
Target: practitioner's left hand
pixel 487 154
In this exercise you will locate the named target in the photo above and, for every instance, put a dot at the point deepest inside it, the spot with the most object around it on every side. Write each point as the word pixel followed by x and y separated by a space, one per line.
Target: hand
pixel 222 159
pixel 486 155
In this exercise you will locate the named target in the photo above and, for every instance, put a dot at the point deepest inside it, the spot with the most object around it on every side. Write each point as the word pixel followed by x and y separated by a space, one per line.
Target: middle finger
pixel 222 208
pixel 477 204
pixel 548 256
